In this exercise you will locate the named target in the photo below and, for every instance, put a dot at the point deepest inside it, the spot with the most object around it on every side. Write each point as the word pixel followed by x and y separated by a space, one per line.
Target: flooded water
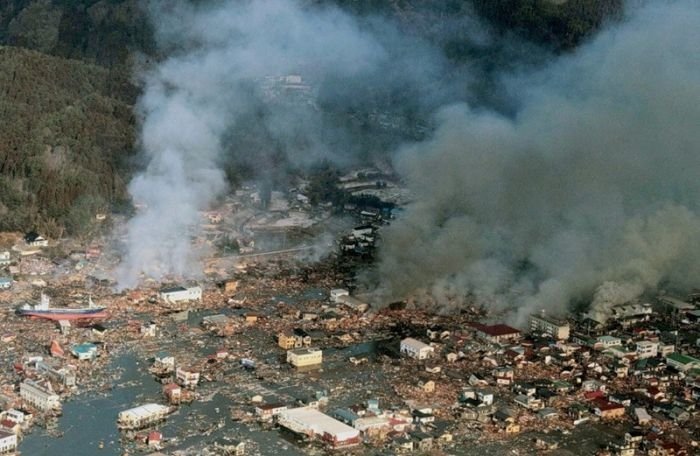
pixel 88 426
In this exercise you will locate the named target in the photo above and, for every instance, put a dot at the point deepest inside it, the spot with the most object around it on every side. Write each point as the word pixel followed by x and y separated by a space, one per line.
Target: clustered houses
pixel 448 377
pixel 560 371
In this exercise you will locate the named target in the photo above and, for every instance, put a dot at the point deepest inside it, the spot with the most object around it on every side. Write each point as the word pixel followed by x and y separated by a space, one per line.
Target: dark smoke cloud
pixel 590 190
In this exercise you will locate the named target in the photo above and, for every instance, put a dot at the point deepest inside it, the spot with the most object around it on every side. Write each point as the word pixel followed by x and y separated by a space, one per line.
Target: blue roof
pixel 345 415
pixel 5 280
pixel 84 348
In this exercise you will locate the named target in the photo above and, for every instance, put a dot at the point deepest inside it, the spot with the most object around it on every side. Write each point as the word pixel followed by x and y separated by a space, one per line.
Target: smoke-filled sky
pixel 217 59
pixel 590 190
pixel 586 189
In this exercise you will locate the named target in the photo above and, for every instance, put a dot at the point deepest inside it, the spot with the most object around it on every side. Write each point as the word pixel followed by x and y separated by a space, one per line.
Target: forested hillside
pixel 67 134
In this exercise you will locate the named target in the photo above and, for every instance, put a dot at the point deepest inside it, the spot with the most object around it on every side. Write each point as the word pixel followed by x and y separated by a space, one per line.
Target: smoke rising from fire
pixel 590 191
pixel 216 59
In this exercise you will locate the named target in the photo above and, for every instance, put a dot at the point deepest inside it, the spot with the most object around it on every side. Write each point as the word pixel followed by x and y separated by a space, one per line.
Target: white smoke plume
pixel 215 54
pixel 590 191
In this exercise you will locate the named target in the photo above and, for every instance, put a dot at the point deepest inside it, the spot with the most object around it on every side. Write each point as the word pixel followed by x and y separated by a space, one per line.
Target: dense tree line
pixel 106 32
pixel 557 24
pixel 67 137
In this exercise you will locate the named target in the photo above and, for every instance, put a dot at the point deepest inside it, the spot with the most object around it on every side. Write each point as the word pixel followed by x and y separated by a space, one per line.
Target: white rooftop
pixel 145 411
pixel 415 343
pixel 319 422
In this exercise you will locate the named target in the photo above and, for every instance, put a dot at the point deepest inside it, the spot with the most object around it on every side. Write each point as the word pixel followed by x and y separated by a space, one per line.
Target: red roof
pixel 495 330
pixel 171 387
pixel 155 436
pixel 270 406
pixel 653 390
pixel 9 424
pixel 605 405
pixel 593 394
pixel 56 349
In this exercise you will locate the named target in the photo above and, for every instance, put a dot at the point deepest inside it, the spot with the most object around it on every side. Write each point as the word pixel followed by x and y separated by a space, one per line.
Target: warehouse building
pixel 311 422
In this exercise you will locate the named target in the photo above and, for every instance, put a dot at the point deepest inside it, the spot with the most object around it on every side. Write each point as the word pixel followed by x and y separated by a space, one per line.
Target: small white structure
pixel 268 411
pixel 372 423
pixel 5 258
pixel 33 239
pixel 86 351
pixel 364 232
pixel 302 357
pixel 647 349
pixel 337 293
pixel 642 416
pixel 342 296
pixel 149 329
pixel 416 349
pixel 16 416
pixel 178 294
pixel 142 416
pixel 38 396
pixel 186 377
pixel 353 303
pixel 8 442
pixel 528 402
pixel 608 341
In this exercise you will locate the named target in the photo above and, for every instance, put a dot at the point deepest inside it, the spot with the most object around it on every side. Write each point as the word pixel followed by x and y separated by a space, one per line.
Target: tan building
pixel 293 339
pixel 186 377
pixel 302 357
pixel 285 340
pixel 542 324
pixel 231 286
pixel 608 410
